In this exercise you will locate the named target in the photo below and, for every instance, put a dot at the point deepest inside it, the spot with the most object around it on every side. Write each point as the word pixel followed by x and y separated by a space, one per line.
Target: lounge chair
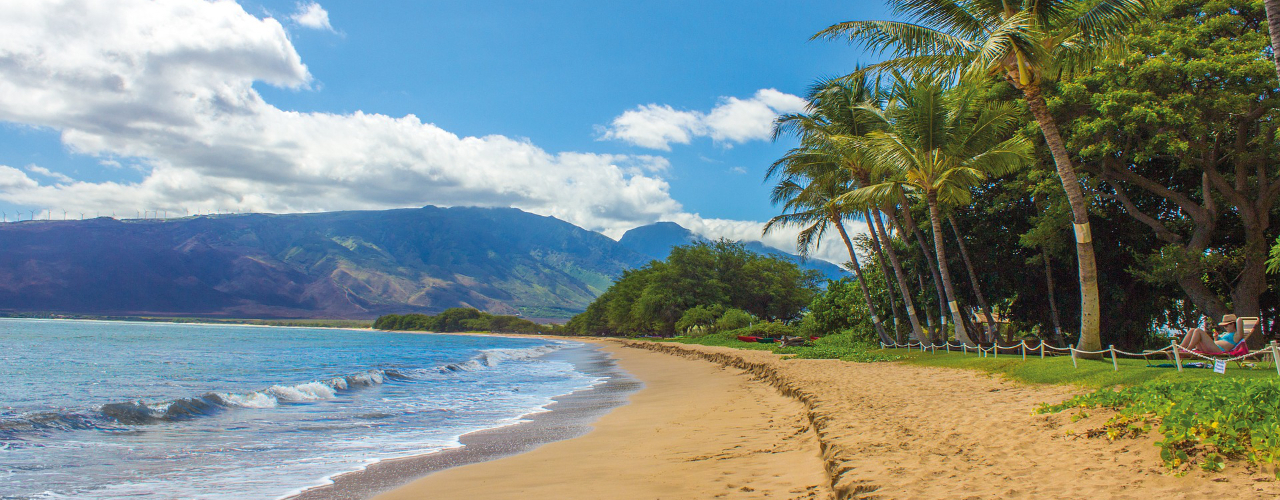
pixel 1245 326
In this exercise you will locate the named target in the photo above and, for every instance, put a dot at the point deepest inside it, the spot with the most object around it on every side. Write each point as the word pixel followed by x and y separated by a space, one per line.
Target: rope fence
pixel 1022 348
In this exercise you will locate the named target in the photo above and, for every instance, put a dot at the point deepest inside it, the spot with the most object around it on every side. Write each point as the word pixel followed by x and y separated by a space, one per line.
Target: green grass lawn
pixel 1090 373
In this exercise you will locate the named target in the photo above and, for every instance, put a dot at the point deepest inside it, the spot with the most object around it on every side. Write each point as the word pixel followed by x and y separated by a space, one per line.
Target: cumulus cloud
pixel 312 15
pixel 830 249
pixel 732 121
pixel 167 86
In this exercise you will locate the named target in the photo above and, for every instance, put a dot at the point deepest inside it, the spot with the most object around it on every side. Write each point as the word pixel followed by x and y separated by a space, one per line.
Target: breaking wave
pixel 112 416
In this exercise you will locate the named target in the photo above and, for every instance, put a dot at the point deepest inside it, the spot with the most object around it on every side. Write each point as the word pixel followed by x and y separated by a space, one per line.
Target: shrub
pixel 733 319
pixel 768 329
pixel 699 319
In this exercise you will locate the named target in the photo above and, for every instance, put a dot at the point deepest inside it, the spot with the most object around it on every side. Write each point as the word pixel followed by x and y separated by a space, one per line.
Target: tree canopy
pixel 724 274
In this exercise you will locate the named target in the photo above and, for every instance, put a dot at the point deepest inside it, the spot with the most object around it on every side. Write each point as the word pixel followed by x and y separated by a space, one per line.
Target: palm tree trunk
pixel 935 218
pixel 1090 305
pixel 902 280
pixel 933 266
pixel 1273 26
pixel 1053 304
pixel 928 315
pixel 884 271
pixel 862 282
pixel 992 332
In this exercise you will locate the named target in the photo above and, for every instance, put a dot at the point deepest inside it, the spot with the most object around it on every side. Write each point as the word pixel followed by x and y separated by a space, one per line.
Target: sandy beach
pixel 696 430
pixel 722 423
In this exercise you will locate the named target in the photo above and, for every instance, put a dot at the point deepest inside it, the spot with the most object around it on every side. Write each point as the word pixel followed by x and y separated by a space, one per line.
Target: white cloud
pixel 312 15
pixel 830 249
pixel 63 178
pixel 12 178
pixel 732 121
pixel 168 86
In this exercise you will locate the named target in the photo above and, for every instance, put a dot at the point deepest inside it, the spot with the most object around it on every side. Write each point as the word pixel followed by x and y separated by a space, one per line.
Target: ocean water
pixel 103 410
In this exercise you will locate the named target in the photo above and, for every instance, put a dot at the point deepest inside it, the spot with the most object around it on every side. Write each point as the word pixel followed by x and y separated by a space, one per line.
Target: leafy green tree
pixel 940 143
pixel 1173 130
pixel 834 311
pixel 1027 43
pixel 733 319
pixel 653 299
pixel 700 318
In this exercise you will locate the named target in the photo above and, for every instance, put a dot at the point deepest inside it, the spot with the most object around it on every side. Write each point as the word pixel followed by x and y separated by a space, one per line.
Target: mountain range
pixel 355 264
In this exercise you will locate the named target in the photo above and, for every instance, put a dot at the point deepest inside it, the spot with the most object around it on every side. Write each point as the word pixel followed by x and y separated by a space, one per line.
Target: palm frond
pixel 949 14
pixel 902 39
pixel 1006 157
pixel 1110 18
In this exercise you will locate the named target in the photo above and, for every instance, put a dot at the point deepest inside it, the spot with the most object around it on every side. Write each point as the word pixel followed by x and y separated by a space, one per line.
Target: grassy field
pixel 1090 373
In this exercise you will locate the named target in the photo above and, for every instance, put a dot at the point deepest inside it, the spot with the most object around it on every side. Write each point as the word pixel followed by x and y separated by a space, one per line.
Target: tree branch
pixel 1198 213
pixel 1161 230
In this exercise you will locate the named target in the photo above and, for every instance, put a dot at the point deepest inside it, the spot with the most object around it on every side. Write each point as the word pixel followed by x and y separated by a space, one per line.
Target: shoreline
pixel 567 416
pixel 696 430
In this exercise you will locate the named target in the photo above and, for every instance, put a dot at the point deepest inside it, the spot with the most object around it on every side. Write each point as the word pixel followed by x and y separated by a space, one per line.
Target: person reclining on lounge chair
pixel 1200 340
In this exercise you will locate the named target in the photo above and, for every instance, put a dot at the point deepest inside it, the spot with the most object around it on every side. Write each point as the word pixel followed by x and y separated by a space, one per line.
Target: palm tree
pixel 836 108
pixel 992 331
pixel 939 143
pixel 808 191
pixel 879 251
pixel 1026 42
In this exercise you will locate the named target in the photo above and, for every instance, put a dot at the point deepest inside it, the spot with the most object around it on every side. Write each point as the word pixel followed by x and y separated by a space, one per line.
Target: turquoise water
pixel 156 410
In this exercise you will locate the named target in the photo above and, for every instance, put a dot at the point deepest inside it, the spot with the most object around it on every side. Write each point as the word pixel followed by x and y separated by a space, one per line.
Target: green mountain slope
pixel 334 265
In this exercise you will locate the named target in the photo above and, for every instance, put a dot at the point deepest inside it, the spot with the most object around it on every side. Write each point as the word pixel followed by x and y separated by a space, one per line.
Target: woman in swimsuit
pixel 1205 342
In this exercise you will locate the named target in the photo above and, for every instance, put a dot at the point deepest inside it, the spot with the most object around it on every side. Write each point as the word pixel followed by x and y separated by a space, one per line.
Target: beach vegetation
pixel 699 319
pixel 1203 422
pixel 939 143
pixel 718 276
pixel 734 319
pixel 837 309
pixel 1173 137
pixel 813 178
pixel 1027 44
pixel 461 319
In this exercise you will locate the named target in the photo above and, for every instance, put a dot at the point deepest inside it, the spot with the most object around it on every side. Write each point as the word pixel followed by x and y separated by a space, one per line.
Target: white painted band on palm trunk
pixel 1082 233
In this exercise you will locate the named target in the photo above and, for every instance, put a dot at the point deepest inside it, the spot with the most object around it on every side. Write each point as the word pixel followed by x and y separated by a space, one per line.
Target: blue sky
pixel 575 109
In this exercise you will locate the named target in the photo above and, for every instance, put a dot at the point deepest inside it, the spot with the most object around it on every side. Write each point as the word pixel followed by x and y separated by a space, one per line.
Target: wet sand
pixel 568 417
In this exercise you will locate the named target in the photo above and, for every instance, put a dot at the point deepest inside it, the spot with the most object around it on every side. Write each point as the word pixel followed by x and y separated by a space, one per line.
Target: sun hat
pixel 1229 319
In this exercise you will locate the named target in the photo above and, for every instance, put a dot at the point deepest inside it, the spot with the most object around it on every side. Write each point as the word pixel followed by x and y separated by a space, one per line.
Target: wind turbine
pixel 64 214
pixel 81 215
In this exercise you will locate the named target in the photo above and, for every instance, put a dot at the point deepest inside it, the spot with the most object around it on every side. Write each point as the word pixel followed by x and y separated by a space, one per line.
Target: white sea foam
pixel 310 391
pixel 254 399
